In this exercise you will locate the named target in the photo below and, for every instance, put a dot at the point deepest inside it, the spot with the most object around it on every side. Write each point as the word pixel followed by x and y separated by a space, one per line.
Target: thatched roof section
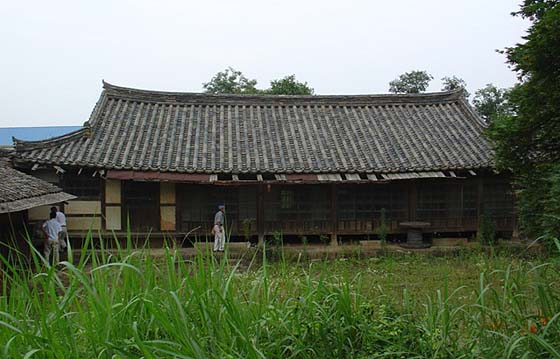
pixel 140 130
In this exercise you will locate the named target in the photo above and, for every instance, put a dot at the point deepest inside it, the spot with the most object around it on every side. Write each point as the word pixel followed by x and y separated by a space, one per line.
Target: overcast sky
pixel 54 54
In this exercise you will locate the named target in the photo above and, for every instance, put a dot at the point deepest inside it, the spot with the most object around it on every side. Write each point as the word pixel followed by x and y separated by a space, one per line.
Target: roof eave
pixel 31 202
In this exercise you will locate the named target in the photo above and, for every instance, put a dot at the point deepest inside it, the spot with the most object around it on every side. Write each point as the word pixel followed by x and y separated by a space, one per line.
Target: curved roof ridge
pixel 173 96
pixel 85 131
pixel 67 137
pixel 478 120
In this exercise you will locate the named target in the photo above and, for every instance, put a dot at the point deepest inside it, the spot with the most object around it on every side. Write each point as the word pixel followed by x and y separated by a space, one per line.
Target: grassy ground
pixel 131 305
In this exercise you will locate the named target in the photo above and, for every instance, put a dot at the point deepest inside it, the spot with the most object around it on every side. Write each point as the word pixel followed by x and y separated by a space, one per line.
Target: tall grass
pixel 128 304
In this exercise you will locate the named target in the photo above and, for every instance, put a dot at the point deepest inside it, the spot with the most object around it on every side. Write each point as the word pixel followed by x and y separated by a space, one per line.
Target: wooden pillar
pixel 334 220
pixel 461 206
pixel 480 201
pixel 178 205
pixel 412 200
pixel 260 214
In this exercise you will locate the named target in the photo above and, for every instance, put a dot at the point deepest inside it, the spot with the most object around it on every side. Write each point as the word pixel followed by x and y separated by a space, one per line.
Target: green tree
pixel 491 102
pixel 411 82
pixel 454 83
pixel 528 142
pixel 289 86
pixel 231 81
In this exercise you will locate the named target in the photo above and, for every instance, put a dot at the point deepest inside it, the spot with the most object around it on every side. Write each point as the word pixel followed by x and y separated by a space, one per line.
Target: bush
pixel 539 203
pixel 487 230
pixel 382 229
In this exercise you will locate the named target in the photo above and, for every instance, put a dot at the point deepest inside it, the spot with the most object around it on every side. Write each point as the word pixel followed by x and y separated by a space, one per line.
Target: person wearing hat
pixel 218 229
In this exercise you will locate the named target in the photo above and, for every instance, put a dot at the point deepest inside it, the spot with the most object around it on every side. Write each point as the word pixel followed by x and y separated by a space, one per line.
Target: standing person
pixel 219 216
pixel 61 219
pixel 219 237
pixel 51 228
pixel 218 229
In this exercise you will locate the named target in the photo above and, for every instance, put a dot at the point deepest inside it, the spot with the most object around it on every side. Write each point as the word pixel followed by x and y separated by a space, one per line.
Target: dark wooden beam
pixel 260 214
pixel 479 201
pixel 178 205
pixel 103 204
pixel 461 204
pixel 334 221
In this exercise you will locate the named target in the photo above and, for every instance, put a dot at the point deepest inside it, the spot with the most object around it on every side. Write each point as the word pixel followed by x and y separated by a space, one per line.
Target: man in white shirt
pixel 52 229
pixel 61 219
pixel 218 229
pixel 219 237
pixel 219 216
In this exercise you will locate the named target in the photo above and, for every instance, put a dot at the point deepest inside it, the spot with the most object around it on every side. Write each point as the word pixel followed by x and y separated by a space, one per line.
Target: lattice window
pixel 247 203
pixel 364 203
pixel 346 203
pixel 200 203
pixel 498 199
pixel 439 201
pixel 470 194
pixel 85 187
pixel 297 203
pixel 393 198
pixel 141 205
pixel 287 199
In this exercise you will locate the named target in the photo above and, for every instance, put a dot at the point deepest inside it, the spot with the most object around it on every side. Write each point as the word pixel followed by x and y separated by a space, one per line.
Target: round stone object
pixel 414 234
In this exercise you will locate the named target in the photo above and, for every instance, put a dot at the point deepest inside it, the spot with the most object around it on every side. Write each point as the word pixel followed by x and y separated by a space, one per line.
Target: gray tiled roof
pixel 186 132
pixel 19 191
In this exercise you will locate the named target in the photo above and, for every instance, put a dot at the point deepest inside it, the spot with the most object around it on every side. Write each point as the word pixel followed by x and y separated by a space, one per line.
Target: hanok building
pixel 21 196
pixel 297 165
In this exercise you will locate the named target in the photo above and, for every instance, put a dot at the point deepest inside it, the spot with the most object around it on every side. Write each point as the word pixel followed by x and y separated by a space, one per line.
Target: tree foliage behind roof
pixel 491 102
pixel 454 83
pixel 289 86
pixel 528 142
pixel 411 82
pixel 232 81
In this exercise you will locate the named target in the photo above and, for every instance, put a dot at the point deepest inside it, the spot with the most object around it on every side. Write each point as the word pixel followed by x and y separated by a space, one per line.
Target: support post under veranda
pixel 260 215
pixel 333 216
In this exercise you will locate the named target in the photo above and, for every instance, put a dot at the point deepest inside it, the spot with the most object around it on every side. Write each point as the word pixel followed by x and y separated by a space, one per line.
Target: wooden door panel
pixel 141 205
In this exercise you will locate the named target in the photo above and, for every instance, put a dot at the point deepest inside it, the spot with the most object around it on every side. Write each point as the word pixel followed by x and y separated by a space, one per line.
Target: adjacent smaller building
pixel 20 192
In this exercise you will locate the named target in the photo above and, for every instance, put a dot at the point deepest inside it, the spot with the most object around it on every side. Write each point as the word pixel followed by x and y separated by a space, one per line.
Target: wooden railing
pixel 298 227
